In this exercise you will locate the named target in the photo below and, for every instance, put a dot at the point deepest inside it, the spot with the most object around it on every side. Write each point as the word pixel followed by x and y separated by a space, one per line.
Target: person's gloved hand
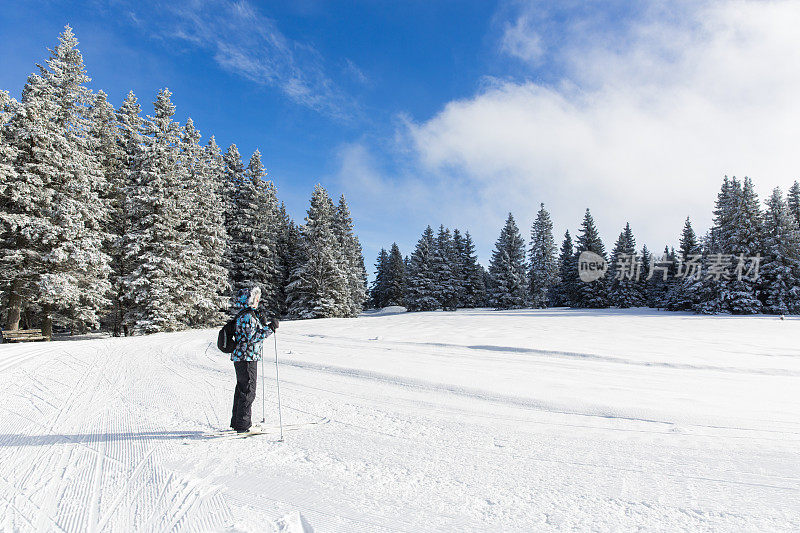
pixel 273 324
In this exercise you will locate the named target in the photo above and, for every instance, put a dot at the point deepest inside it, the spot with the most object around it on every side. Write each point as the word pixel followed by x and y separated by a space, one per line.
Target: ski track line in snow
pixel 85 474
pixel 355 343
pixel 554 353
pixel 536 458
pixel 443 409
pixel 326 514
pixel 677 476
pixel 468 392
pixel 9 360
pixel 582 464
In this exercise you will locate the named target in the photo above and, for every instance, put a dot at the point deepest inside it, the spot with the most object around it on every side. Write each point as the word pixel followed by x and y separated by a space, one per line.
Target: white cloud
pixel 522 41
pixel 247 43
pixel 639 129
pixel 358 75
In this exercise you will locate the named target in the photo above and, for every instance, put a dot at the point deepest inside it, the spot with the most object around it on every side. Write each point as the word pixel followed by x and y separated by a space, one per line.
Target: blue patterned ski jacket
pixel 249 336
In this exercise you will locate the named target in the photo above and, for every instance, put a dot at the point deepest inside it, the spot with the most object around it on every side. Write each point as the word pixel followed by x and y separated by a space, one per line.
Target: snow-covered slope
pixel 468 421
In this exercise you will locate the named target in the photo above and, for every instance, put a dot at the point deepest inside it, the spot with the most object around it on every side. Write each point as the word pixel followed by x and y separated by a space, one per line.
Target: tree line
pixel 110 218
pixel 747 263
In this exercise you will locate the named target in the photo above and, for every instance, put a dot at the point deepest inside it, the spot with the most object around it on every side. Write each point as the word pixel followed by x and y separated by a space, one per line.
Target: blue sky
pixel 429 112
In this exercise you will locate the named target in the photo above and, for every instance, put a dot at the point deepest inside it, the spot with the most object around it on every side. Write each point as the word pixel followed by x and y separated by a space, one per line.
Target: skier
pixel 249 335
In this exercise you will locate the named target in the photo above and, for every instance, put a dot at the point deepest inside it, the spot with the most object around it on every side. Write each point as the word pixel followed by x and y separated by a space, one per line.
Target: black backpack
pixel 225 340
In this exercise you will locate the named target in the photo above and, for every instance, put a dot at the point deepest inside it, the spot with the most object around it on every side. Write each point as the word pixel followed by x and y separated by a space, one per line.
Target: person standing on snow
pixel 249 336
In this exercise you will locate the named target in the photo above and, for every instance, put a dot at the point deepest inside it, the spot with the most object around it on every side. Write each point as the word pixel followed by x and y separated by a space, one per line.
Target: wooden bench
pixel 24 335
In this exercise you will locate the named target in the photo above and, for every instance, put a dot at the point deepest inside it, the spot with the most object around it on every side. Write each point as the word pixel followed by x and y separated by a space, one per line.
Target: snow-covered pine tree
pixel 379 284
pixel 625 272
pixel 447 284
pixel 472 280
pixel 713 295
pixel 507 269
pixel 252 232
pixel 457 265
pixel 204 253
pixel 543 269
pixel 212 155
pixel 681 295
pixel 156 237
pixel 688 242
pixel 566 292
pixel 793 201
pixel 663 278
pixel 318 286
pixel 488 287
pixel 395 279
pixel 12 253
pixel 287 249
pixel 105 138
pixel 644 282
pixel 58 218
pixel 232 181
pixel 594 294
pixel 736 233
pixel 779 280
pixel 354 259
pixel 747 242
pixel 420 275
pixel 131 142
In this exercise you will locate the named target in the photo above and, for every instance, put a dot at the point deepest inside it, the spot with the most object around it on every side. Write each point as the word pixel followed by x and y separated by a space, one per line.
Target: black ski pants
pixel 245 393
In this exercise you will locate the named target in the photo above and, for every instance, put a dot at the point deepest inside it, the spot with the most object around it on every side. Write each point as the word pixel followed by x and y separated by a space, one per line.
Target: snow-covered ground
pixel 467 421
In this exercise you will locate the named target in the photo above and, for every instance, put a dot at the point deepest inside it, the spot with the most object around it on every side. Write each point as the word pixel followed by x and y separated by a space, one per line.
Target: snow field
pixel 466 421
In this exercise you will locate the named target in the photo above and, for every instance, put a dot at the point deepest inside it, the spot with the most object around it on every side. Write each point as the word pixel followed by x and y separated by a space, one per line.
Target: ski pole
pixel 278 385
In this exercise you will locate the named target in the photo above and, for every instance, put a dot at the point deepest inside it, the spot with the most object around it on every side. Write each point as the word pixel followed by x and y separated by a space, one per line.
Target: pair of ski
pixel 258 429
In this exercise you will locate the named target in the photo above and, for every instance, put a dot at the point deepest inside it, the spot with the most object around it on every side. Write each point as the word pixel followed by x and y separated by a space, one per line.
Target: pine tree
pixel 708 290
pixel 793 199
pixel 688 241
pixel 287 250
pixel 457 264
pixel 447 285
pixel 119 177
pixel 378 292
pixel 421 280
pixel 354 260
pixel 507 269
pixel 594 294
pixel 104 140
pixel 473 284
pixel 318 286
pixel 644 278
pixel 682 294
pixel 566 292
pixel 543 271
pixel 157 235
pixel 395 278
pixel 626 272
pixel 663 278
pixel 488 287
pixel 12 254
pixel 735 238
pixel 252 231
pixel 58 215
pixel 204 253
pixel 780 273
pixel 233 176
pixel 747 242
